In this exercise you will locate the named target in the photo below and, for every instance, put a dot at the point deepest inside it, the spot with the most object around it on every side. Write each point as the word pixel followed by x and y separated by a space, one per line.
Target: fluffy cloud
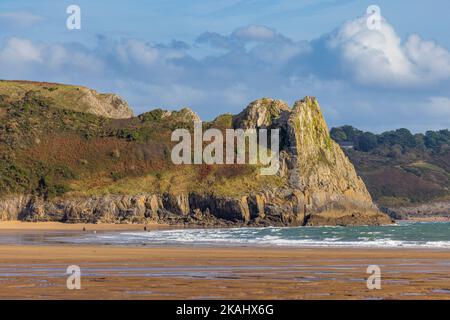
pixel 244 36
pixel 359 75
pixel 379 57
pixel 23 59
pixel 18 51
pixel 432 62
pixel 258 33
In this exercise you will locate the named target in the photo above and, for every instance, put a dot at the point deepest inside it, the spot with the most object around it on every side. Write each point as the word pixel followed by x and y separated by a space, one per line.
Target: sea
pixel 403 234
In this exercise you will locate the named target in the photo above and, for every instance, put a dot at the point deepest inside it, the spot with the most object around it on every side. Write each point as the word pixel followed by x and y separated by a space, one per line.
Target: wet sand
pixel 19 226
pixel 38 272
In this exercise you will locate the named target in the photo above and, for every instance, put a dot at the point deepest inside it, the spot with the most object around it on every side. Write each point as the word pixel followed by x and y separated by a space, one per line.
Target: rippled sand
pixel 38 272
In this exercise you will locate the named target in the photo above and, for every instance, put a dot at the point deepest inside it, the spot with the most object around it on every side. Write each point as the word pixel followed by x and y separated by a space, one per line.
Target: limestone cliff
pixel 119 171
pixel 322 182
pixel 76 98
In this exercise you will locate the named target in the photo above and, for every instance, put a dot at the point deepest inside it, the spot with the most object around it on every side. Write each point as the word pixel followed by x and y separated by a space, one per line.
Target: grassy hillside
pixel 54 151
pixel 75 98
pixel 400 168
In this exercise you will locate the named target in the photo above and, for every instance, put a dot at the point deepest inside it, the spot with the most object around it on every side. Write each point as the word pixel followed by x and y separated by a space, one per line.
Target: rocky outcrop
pixel 76 98
pixel 424 210
pixel 184 115
pixel 323 187
pixel 11 207
pixel 320 185
pixel 261 113
pixel 106 105
pixel 191 209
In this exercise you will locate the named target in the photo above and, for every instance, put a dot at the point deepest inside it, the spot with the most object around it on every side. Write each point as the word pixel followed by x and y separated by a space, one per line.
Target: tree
pixel 366 142
pixel 419 139
pixel 395 152
pixel 352 133
pixel 338 135
pixel 402 137
pixel 345 133
pixel 431 139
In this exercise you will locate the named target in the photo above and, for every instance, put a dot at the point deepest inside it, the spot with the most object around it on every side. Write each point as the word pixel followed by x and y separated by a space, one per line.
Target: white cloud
pixel 379 57
pixel 244 36
pixel 23 59
pixel 349 70
pixel 431 60
pixel 18 51
pixel 256 33
pixel 137 51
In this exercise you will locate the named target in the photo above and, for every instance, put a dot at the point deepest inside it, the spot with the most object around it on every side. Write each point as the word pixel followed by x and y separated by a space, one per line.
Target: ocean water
pixel 402 234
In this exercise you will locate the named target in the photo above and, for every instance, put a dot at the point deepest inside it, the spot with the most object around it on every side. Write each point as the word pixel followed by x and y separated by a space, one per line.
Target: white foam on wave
pixel 375 237
pixel 226 236
pixel 385 243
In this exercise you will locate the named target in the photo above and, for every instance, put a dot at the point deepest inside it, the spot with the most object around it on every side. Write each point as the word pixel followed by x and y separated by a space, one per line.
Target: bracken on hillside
pixel 60 161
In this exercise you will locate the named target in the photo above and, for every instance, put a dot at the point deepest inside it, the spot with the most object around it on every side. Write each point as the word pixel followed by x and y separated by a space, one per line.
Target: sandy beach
pixel 19 226
pixel 38 272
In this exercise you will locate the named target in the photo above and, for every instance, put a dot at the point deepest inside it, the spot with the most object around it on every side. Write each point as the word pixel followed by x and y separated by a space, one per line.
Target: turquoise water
pixel 402 234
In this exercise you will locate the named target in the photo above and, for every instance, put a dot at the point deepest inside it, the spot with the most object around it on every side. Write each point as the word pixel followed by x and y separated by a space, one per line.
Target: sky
pixel 217 56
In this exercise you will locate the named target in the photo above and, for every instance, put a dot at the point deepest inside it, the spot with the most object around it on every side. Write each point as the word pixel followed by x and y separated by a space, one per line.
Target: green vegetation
pixel 399 167
pixel 403 138
pixel 152 116
pixel 53 151
pixel 423 166
pixel 74 98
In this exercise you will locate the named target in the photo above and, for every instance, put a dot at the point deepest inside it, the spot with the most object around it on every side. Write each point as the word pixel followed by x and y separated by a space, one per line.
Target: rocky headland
pixel 96 163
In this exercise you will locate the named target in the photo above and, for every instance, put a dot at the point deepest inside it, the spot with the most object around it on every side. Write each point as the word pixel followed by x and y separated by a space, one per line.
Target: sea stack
pixel 322 186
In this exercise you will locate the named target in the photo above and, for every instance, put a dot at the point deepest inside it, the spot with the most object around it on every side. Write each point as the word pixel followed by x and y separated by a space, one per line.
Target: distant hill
pixel 404 172
pixel 75 98
pixel 64 158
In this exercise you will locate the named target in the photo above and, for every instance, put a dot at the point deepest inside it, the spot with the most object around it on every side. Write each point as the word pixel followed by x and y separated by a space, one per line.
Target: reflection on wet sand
pixel 213 273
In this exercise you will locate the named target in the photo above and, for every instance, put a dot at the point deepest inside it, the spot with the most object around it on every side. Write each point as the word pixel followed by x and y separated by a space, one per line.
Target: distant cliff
pixel 76 98
pixel 75 163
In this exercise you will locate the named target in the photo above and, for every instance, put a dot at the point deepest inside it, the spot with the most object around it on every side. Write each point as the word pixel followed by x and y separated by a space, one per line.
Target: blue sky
pixel 217 56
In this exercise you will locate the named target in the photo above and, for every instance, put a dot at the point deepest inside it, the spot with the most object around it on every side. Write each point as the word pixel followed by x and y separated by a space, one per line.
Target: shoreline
pixel 205 271
pixel 115 235
pixel 16 225
pixel 60 226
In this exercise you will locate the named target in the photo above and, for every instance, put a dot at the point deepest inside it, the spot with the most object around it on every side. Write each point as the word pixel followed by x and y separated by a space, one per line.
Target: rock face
pixel 191 210
pixel 76 98
pixel 330 186
pixel 435 209
pixel 106 105
pixel 184 115
pixel 261 113
pixel 320 185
